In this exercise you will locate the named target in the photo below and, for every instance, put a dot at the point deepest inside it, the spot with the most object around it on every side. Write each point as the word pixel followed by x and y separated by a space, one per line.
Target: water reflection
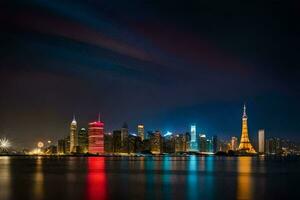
pixel 244 177
pixel 166 178
pixel 192 181
pixel 96 179
pixel 209 177
pixel 38 179
pixel 149 166
pixel 5 178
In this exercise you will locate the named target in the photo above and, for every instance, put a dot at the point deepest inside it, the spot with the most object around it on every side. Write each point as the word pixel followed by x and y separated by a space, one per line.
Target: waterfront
pixel 148 178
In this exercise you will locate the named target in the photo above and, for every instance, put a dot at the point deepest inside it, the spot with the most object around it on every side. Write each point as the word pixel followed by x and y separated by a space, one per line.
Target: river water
pixel 95 178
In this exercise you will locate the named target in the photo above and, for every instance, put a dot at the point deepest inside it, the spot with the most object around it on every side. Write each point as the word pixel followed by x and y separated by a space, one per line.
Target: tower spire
pixel 245 145
pixel 244 113
pixel 99 117
pixel 74 117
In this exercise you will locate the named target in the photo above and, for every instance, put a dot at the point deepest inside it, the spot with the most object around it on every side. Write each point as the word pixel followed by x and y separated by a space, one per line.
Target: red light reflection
pixel 96 179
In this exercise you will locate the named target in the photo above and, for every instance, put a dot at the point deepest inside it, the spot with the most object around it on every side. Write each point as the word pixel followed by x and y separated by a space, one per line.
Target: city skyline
pixel 196 64
pixel 140 131
pixel 198 99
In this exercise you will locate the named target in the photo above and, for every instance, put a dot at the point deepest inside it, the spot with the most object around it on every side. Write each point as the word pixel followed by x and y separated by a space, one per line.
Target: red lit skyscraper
pixel 96 137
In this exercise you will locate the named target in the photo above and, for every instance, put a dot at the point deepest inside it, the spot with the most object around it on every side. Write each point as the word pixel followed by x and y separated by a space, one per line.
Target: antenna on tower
pixel 244 113
pixel 99 117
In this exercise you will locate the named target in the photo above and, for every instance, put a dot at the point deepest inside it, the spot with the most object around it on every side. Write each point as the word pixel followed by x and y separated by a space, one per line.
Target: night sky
pixel 166 64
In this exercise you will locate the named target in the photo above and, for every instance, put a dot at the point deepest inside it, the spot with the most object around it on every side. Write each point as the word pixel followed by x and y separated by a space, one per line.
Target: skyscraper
pixel 83 140
pixel 193 141
pixel 261 141
pixel 155 142
pixel 61 146
pixel 117 143
pixel 234 143
pixel 73 135
pixel 180 143
pixel 215 143
pixel 96 137
pixel 245 145
pixel 125 138
pixel 202 143
pixel 108 143
pixel 141 131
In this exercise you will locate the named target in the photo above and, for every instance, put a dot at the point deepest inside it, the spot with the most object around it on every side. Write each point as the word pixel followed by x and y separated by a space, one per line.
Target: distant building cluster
pixel 94 140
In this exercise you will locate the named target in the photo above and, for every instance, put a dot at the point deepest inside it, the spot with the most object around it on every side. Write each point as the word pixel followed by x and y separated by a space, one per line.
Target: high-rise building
pixel 245 145
pixel 67 144
pixel 125 138
pixel 96 137
pixel 202 143
pixel 261 141
pixel 117 143
pixel 209 146
pixel 61 146
pixel 193 142
pixel 215 143
pixel 141 131
pixel 108 143
pixel 180 143
pixel 168 141
pixel 234 143
pixel 155 142
pixel 73 135
pixel 83 140
pixel 274 146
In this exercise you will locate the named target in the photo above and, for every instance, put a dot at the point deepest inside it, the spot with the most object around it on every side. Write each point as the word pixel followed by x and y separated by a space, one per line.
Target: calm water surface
pixel 150 178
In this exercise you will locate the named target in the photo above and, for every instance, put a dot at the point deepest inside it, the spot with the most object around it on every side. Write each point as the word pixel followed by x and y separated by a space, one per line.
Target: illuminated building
pixel 168 141
pixel 209 146
pixel 73 135
pixel 274 146
pixel 108 143
pixel 261 141
pixel 193 146
pixel 124 138
pixel 51 150
pixel 202 143
pixel 83 140
pixel 96 137
pixel 245 145
pixel 234 143
pixel 155 142
pixel 180 143
pixel 67 144
pixel 133 143
pixel 61 146
pixel 117 143
pixel 215 143
pixel 141 131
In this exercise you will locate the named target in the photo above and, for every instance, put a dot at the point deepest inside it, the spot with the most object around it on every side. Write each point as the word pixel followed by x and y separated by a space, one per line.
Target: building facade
pixel 141 131
pixel 193 144
pixel 83 140
pixel 73 135
pixel 117 142
pixel 155 142
pixel 261 141
pixel 234 143
pixel 96 137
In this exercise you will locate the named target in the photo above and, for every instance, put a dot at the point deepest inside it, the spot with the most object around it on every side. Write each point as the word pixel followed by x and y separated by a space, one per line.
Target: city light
pixel 40 144
pixel 4 144
pixel 168 134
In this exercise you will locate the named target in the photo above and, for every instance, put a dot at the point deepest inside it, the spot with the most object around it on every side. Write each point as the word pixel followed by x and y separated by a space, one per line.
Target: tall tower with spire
pixel 245 145
pixel 73 135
